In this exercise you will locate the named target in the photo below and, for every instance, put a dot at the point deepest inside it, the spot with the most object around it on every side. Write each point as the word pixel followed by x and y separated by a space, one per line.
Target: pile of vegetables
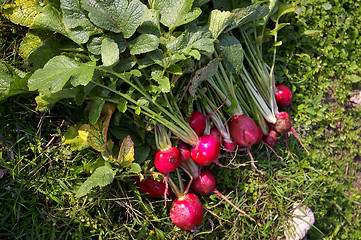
pixel 189 75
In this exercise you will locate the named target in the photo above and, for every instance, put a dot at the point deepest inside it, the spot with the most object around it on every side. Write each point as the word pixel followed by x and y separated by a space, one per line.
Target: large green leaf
pixel 248 14
pixel 174 13
pixel 75 19
pixel 115 15
pixel 58 71
pixel 21 12
pixel 143 44
pixel 220 20
pixel 232 53
pixel 101 177
pixel 50 19
pixel 203 74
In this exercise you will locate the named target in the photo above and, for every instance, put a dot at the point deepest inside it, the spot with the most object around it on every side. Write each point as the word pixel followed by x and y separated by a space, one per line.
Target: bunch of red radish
pixel 186 210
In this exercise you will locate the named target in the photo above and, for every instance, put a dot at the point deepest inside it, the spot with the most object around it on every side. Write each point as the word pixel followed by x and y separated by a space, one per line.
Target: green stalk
pixel 183 131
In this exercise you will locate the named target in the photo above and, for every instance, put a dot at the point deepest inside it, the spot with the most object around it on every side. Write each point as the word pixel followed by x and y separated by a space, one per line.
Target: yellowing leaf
pixel 21 12
pixel 126 152
pixel 93 137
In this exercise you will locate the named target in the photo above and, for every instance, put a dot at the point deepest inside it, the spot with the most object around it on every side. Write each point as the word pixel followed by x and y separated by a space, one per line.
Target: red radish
pixel 283 96
pixel 229 146
pixel 197 121
pixel 167 160
pixel 271 138
pixel 184 150
pixel 206 150
pixel 283 123
pixel 152 188
pixel 215 132
pixel 205 184
pixel 187 211
pixel 243 130
pixel 260 135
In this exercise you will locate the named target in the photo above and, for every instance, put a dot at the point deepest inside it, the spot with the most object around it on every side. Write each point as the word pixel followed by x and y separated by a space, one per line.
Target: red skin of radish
pixel 260 135
pixel 184 150
pixel 206 150
pixel 204 184
pixel 229 146
pixel 243 130
pixel 283 123
pixel 283 96
pixel 151 187
pixel 271 139
pixel 215 132
pixel 197 121
pixel 167 160
pixel 186 212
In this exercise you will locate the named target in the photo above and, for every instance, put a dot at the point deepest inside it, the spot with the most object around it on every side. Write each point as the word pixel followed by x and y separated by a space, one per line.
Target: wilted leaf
pixel 92 137
pixel 21 12
pixel 126 152
pixel 71 136
pixel 101 177
pixel 203 74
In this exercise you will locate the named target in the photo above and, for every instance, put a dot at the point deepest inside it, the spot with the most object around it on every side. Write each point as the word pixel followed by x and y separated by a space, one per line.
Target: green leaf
pixel 220 20
pixel 11 83
pixel 45 102
pixel 96 110
pixel 75 19
pixel 109 51
pixel 143 44
pixel 175 13
pixel 57 72
pixel 48 49
pixel 247 14
pixel 101 177
pixel 354 78
pixel 115 15
pixel 151 22
pixel 50 19
pixel 135 168
pixel 163 81
pixel 94 45
pixel 232 53
pixel 284 9
pixel 194 38
pixel 21 12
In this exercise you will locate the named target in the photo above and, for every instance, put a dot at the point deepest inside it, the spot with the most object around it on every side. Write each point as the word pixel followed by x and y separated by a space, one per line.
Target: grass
pixel 39 175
